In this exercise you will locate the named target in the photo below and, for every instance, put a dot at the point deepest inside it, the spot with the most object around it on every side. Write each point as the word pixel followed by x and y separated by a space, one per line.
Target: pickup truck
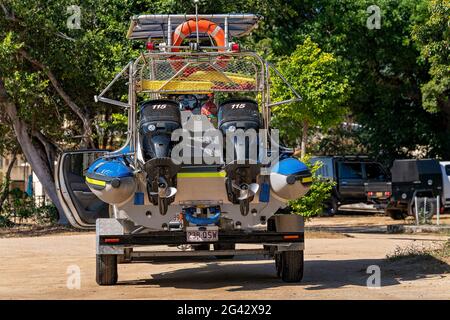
pixel 351 175
pixel 415 178
pixel 445 169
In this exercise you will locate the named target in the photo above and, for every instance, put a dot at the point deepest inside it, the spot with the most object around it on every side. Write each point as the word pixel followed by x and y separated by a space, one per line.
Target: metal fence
pixel 425 208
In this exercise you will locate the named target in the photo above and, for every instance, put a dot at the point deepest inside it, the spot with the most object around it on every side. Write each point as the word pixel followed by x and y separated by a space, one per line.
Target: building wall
pixel 19 173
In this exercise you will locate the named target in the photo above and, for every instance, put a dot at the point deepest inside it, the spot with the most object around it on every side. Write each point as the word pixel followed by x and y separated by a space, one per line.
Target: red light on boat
pixel 370 193
pixel 235 47
pixel 387 193
pixel 150 46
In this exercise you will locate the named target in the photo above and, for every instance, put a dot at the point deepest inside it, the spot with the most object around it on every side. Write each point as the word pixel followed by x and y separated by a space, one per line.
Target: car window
pixel 349 170
pixel 447 169
pixel 374 171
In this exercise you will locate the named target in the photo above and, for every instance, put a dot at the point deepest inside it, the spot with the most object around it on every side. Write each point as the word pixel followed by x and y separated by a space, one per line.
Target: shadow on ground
pixel 319 274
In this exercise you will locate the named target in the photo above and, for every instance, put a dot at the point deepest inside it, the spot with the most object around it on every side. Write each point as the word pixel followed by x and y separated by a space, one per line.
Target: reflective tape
pixel 179 33
pixel 220 174
pixel 96 182
pixel 216 30
pixel 306 179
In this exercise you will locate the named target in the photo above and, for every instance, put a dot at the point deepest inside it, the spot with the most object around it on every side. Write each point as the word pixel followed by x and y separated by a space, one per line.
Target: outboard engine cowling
pixel 239 120
pixel 158 119
pixel 239 114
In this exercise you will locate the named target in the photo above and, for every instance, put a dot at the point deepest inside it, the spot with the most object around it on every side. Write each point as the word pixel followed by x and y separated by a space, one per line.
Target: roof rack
pixel 162 26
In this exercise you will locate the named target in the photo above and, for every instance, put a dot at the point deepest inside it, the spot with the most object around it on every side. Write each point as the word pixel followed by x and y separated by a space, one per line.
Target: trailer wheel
pixel 278 264
pixel 106 269
pixel 291 266
pixel 225 246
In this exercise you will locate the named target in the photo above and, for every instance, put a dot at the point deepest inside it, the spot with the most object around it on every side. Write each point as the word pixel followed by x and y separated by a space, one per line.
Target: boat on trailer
pixel 187 178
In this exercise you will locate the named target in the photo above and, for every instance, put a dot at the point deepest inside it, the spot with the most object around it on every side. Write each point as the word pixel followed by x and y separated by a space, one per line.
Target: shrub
pixel 23 207
pixel 312 204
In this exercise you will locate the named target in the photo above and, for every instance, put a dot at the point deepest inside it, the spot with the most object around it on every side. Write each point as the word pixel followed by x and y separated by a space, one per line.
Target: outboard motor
pixel 240 115
pixel 239 120
pixel 158 119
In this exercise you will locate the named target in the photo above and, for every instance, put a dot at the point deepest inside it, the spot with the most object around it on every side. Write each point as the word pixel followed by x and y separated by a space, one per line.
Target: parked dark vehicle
pixel 411 178
pixel 351 174
pixel 378 193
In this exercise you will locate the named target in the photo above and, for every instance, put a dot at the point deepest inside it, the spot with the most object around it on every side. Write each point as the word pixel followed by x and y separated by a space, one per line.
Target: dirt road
pixel 335 268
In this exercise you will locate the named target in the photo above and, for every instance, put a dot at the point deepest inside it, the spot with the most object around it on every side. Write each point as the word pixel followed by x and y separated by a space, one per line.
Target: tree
pixel 313 74
pixel 433 38
pixel 49 75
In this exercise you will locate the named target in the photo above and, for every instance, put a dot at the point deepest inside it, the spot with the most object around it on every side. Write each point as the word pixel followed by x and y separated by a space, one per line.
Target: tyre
pixel 106 269
pixel 225 246
pixel 426 208
pixel 278 264
pixel 331 207
pixel 395 214
pixel 291 266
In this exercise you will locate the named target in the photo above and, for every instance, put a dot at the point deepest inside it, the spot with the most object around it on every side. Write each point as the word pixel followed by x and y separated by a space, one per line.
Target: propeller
pixel 246 191
pixel 164 191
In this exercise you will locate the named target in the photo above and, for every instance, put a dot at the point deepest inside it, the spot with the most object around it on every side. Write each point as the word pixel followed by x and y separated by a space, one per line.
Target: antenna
pixel 196 20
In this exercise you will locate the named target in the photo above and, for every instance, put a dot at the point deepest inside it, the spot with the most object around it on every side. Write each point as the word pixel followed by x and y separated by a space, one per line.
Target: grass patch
pixel 440 251
pixel 416 259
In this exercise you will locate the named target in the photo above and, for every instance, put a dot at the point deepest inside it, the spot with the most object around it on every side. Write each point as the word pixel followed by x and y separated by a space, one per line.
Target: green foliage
pixel 381 65
pixel 5 222
pixel 314 75
pixel 46 214
pixel 312 204
pixel 19 206
pixel 393 81
pixel 339 140
pixel 82 60
pixel 433 38
pixel 117 125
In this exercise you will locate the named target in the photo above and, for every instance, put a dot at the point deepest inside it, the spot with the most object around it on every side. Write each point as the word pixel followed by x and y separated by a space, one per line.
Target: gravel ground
pixel 335 268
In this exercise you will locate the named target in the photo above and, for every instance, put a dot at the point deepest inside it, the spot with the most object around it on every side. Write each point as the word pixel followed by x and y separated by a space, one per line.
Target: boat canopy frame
pixel 195 70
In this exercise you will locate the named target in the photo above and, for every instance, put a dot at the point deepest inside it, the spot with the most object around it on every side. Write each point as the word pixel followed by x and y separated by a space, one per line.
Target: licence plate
pixel 202 234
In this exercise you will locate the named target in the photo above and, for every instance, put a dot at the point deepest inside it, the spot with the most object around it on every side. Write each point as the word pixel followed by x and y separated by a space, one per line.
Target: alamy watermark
pixel 74 277
pixel 74 20
pixel 374 20
pixel 374 280
pixel 203 144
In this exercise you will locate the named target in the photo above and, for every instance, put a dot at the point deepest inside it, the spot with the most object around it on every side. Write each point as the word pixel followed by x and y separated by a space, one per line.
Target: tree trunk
pixel 304 142
pixel 105 137
pixel 87 141
pixel 35 154
pixel 5 191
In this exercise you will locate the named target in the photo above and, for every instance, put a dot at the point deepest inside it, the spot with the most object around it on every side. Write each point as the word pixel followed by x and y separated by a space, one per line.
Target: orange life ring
pixel 204 26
